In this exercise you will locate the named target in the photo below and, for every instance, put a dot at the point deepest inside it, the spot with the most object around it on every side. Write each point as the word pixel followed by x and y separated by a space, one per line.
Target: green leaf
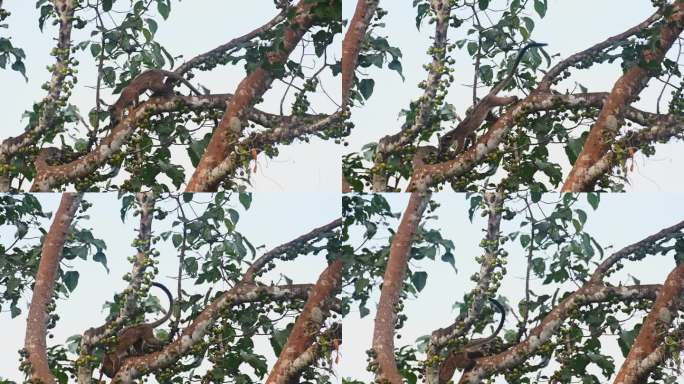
pixel 152 25
pixel 177 239
pixel 449 258
pixel 95 49
pixel 101 258
pixel 366 87
pixel 363 311
pixel 593 199
pixel 163 9
pixel 524 240
pixel 419 279
pixel 107 5
pixel 395 65
pixel 71 280
pixel 245 199
pixel 540 7
pixel 483 4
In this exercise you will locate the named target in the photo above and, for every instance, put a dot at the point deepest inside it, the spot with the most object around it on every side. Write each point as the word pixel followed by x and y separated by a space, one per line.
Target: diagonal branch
pixel 652 333
pixel 316 234
pixel 250 89
pixel 516 354
pixel 199 60
pixel 307 326
pixel 283 128
pixel 136 366
pixel 627 87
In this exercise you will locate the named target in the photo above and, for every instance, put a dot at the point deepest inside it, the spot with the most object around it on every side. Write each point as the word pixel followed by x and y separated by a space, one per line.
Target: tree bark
pixel 44 288
pixel 624 91
pixel 307 326
pixel 351 45
pixel 653 331
pixel 395 271
pixel 208 173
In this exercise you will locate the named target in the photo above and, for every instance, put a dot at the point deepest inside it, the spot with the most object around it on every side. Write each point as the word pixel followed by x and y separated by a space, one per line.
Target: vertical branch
pixel 386 317
pixel 307 326
pixel 486 287
pixel 93 336
pixel 426 103
pixel 653 331
pixel 43 290
pixel 65 13
pixel 351 45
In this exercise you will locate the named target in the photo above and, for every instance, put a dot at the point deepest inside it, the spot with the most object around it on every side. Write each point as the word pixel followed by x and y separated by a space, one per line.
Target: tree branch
pixel 351 45
pixel 278 251
pixel 652 333
pixel 44 288
pixel 426 103
pixel 250 89
pixel 307 326
pixel 395 271
pixel 627 87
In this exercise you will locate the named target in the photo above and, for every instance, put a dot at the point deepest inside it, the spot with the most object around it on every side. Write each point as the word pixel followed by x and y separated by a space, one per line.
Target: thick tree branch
pixel 43 290
pixel 627 87
pixel 351 45
pixel 588 294
pixel 136 366
pixel 283 128
pixel 307 325
pixel 395 271
pixel 483 290
pixel 652 333
pixel 93 336
pixel 250 89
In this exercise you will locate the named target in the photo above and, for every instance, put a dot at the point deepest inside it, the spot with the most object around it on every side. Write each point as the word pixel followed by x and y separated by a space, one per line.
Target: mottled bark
pixel 483 290
pixel 136 366
pixel 386 318
pixel 44 287
pixel 351 45
pixel 308 325
pixel 93 336
pixel 250 89
pixel 426 104
pixel 625 90
pixel 516 354
pixel 653 331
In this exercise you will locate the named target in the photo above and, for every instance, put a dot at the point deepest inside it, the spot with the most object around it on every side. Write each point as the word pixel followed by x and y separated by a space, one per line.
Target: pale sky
pixel 620 220
pixel 189 31
pixel 269 222
pixel 597 20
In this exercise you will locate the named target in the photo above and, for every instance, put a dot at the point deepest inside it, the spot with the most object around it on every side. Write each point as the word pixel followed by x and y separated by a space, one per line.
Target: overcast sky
pixel 620 220
pixel 189 31
pixel 272 220
pixel 569 27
